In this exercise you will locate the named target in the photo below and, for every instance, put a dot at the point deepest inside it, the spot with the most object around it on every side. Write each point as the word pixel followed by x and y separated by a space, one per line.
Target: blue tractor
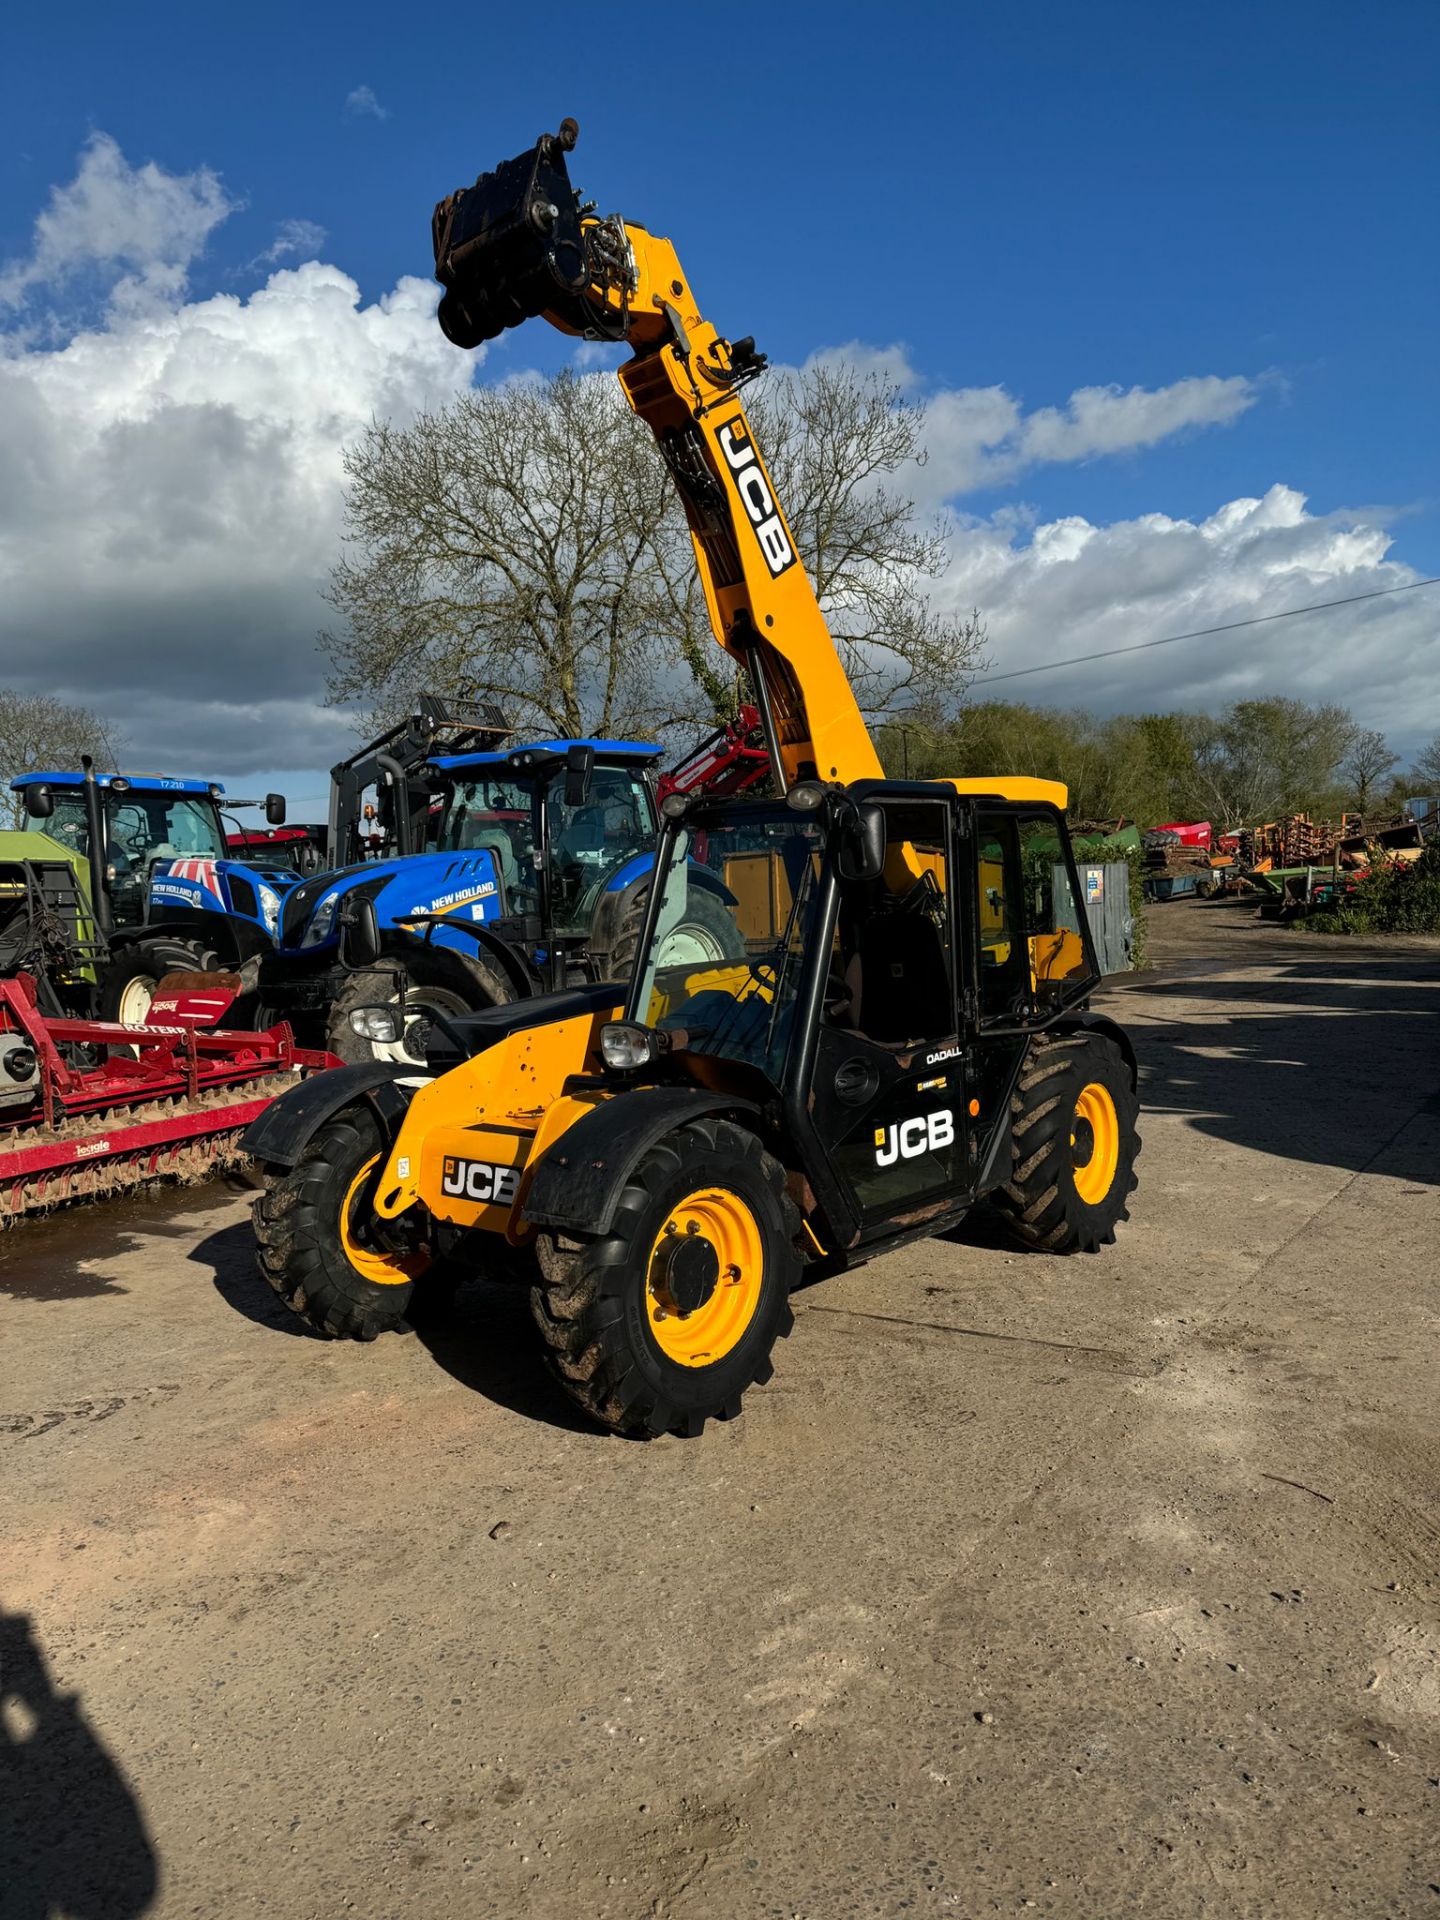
pixel 133 853
pixel 493 872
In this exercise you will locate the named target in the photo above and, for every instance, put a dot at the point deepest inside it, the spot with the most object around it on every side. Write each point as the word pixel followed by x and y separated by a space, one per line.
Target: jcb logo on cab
pixel 924 1133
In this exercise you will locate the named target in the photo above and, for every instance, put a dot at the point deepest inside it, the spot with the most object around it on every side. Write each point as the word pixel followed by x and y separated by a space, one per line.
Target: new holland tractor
pixel 901 1032
pixel 495 872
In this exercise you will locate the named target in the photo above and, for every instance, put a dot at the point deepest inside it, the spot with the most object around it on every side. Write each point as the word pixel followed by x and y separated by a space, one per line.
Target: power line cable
pixel 1200 633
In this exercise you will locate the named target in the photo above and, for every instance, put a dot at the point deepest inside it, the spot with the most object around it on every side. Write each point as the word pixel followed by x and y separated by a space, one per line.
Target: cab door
pixel 889 1100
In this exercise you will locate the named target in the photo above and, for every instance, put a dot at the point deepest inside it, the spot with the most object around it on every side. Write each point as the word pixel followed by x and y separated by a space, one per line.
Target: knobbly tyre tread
pixel 370 985
pixel 702 909
pixel 1038 1202
pixel 579 1299
pixel 297 1240
pixel 154 959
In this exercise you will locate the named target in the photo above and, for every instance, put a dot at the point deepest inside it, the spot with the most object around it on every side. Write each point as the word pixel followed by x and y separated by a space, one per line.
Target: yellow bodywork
pixel 501 1110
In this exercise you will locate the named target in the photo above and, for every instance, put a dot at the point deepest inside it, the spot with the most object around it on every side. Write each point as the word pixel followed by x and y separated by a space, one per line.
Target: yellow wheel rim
pixel 1094 1143
pixel 373 1263
pixel 703 1277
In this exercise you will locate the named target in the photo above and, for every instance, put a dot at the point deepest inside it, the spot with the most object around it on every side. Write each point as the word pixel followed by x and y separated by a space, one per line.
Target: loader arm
pixel 517 245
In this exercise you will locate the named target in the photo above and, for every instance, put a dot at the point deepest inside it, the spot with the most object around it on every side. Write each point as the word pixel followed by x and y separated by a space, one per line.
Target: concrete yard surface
pixel 1080 1587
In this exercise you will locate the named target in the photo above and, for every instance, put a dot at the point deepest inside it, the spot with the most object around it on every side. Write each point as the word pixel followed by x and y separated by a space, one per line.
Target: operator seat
pixel 899 981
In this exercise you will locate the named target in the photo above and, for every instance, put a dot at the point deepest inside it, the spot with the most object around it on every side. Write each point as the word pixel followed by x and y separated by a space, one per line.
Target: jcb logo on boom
pixel 479 1180
pixel 743 457
pixel 925 1133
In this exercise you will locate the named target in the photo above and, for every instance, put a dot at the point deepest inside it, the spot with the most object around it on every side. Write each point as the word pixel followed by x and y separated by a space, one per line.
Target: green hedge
pixel 1398 896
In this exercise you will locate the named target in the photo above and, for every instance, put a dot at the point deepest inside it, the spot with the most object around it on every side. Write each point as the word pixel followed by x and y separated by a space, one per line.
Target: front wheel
pixel 134 977
pixel 320 1245
pixel 704 936
pixel 664 1321
pixel 1072 1122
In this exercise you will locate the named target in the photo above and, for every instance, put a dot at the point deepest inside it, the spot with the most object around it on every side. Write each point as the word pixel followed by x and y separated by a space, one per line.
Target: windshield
pixel 496 814
pixel 590 841
pixel 739 1006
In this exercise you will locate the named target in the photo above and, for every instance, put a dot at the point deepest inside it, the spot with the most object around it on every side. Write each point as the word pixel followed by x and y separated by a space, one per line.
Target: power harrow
pixel 89 1107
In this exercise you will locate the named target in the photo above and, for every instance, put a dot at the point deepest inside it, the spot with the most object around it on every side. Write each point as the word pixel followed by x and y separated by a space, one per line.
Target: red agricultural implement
pixel 88 1107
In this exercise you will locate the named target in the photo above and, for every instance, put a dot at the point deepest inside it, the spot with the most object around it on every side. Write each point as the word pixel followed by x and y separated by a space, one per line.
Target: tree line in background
pixel 39 734
pixel 1255 760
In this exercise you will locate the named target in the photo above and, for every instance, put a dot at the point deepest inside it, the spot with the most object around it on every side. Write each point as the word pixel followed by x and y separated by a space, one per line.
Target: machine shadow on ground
pixel 73 1839
pixel 484 1339
pixel 1281 1065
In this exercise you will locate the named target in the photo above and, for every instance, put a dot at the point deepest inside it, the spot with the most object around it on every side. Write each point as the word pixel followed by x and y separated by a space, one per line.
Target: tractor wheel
pixel 427 990
pixel 347 1274
pixel 130 982
pixel 705 936
pixel 1072 1121
pixel 664 1321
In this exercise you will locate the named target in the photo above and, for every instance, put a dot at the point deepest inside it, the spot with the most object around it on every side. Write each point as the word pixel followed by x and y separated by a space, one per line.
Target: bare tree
pixel 39 734
pixel 1367 761
pixel 1426 771
pixel 838 444
pixel 526 544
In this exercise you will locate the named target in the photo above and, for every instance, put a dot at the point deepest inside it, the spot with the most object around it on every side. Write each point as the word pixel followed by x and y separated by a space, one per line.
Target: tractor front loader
pixel 900 1029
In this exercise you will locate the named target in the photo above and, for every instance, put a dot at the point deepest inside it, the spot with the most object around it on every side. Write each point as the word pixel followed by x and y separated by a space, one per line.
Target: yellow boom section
pixel 518 245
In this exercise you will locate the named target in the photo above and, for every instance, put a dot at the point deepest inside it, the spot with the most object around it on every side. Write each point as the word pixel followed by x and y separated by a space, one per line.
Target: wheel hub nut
pixel 685 1273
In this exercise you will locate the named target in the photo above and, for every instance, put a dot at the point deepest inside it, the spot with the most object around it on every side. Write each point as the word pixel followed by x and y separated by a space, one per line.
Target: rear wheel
pixel 131 981
pixel 320 1245
pixel 705 936
pixel 1072 1122
pixel 428 991
pixel 664 1321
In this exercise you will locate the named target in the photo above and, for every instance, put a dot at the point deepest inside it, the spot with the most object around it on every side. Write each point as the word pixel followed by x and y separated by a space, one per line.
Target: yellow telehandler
pixel 907 1034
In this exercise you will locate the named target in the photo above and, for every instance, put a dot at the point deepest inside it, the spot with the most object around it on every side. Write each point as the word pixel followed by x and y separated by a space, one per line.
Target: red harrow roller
pixel 88 1107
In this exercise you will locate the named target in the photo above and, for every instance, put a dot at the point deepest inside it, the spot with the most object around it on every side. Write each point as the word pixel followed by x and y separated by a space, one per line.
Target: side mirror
pixel 359 934
pixel 579 765
pixel 275 809
pixel 863 844
pixel 39 801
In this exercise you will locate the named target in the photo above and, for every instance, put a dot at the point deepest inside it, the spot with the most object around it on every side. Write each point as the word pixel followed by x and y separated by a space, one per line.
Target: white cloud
pixel 982 437
pixel 138 229
pixel 294 240
pixel 172 491
pixel 1069 587
pixel 361 104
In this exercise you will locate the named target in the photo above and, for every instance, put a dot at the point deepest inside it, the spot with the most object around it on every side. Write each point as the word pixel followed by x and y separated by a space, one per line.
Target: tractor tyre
pixel 430 987
pixel 664 1321
pixel 706 935
pixel 130 982
pixel 348 1275
pixel 1072 1124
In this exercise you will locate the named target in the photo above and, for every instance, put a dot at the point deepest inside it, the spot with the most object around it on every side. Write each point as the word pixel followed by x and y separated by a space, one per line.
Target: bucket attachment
pixel 512 246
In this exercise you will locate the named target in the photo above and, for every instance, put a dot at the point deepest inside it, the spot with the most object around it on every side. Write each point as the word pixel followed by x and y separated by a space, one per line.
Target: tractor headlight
pixel 320 927
pixel 270 909
pixel 376 1023
pixel 625 1045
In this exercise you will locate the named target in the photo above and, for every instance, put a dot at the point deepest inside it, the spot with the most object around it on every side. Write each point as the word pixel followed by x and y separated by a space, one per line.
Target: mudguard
pixel 579 1182
pixel 280 1134
pixel 1108 1029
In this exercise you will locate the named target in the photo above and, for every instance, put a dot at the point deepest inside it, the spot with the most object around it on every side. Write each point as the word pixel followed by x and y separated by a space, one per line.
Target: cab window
pixel 1032 953
pixel 893 976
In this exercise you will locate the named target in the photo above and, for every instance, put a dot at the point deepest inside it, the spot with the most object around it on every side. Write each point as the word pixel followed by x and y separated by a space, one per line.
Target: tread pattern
pixel 1039 1202
pixel 583 1299
pixel 297 1241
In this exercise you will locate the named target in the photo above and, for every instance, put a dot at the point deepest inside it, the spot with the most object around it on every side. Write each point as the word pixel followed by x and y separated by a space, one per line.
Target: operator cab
pixel 147 820
pixel 887 991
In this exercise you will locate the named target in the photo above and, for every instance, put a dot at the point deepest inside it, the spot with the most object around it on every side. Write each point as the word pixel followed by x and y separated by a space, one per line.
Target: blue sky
pixel 1043 198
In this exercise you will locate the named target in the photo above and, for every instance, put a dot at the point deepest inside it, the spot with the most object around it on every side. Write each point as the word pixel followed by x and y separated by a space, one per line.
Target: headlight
pixel 376 1023
pixel 324 920
pixel 624 1045
pixel 270 908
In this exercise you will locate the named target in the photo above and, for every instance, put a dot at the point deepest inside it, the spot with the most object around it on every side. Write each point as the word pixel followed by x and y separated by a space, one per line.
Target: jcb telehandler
pixel 907 1034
